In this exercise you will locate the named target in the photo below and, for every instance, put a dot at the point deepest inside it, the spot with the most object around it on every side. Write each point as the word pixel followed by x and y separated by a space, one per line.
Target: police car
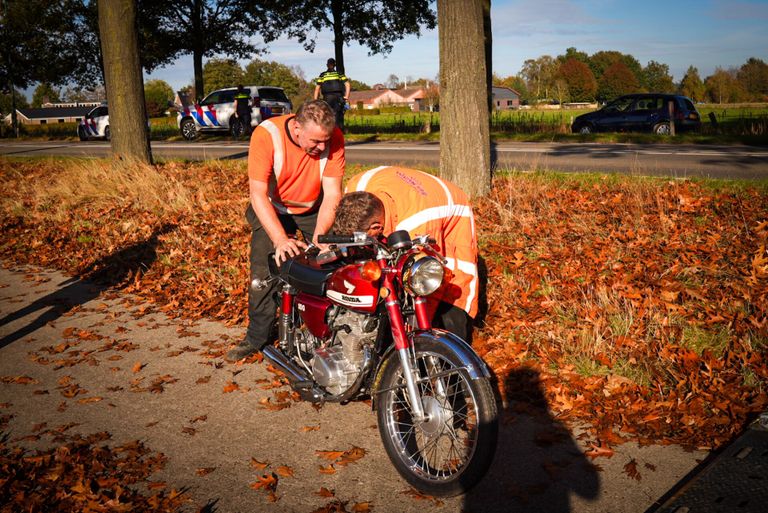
pixel 216 112
pixel 95 124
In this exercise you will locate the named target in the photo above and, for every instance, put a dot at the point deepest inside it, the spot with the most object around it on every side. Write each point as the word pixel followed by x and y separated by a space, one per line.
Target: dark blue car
pixel 648 112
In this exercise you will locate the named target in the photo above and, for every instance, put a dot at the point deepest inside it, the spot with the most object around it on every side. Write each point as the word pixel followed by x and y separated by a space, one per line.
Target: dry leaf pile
pixel 641 305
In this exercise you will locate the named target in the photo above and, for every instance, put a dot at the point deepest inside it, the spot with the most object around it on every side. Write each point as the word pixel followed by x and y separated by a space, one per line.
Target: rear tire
pixel 81 133
pixel 450 452
pixel 585 130
pixel 107 134
pixel 188 129
pixel 662 129
pixel 236 128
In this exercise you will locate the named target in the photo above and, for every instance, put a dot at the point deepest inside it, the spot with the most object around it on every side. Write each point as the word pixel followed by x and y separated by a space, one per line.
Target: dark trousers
pixel 454 319
pixel 262 304
pixel 337 104
pixel 245 119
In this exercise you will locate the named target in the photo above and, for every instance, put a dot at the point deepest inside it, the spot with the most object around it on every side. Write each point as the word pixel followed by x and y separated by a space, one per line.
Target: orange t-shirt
pixel 294 178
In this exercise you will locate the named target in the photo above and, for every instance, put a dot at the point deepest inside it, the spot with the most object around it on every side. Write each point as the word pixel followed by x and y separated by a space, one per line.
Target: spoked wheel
pixel 450 451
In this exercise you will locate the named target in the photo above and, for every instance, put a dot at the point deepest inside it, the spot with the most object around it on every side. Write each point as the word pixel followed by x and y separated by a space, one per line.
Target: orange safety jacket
pixel 425 204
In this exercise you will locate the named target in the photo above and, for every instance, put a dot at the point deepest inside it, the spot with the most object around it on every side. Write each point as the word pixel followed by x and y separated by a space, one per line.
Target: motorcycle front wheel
pixel 450 451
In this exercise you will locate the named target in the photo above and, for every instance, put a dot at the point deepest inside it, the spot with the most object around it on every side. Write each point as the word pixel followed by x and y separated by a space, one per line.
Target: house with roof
pixel 505 98
pixel 51 113
pixel 374 98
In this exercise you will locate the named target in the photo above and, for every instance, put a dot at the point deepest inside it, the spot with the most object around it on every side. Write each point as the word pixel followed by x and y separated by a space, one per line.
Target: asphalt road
pixel 679 161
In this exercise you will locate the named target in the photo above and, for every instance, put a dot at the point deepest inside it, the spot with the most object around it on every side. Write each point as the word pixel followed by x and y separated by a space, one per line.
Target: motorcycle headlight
pixel 422 275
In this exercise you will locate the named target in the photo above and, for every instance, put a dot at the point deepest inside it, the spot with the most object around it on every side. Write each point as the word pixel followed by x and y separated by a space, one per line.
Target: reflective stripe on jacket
pixel 425 204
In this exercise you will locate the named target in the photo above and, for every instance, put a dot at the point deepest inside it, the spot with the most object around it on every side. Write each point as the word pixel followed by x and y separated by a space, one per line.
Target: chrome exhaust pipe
pixel 299 379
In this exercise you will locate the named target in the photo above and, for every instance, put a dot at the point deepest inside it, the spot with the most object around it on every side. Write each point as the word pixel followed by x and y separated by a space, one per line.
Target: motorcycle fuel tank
pixel 346 287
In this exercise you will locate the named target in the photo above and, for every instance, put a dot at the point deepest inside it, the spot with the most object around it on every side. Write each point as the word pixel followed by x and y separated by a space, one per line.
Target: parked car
pixel 647 112
pixel 216 112
pixel 95 124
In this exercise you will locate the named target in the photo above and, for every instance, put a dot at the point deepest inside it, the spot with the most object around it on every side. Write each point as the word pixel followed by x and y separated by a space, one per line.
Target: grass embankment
pixel 639 305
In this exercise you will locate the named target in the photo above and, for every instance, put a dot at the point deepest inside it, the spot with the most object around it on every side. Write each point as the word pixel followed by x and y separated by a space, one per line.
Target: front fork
pixel 405 349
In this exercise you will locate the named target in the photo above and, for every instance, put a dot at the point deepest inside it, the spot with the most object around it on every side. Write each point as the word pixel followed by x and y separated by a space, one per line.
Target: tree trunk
pixel 197 51
pixel 465 153
pixel 123 81
pixel 337 12
pixel 488 52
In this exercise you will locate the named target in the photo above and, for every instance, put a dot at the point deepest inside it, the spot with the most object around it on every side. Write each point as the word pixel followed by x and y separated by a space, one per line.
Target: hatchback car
pixel 649 112
pixel 216 112
pixel 95 124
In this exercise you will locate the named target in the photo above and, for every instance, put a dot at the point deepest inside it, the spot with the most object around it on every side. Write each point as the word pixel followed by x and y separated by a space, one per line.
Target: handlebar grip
pixel 335 239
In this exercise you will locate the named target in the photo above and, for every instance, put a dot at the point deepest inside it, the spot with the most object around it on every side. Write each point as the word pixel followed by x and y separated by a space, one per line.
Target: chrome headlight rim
pixel 423 275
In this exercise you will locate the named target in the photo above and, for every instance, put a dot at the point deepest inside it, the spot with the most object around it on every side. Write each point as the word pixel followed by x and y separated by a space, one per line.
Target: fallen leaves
pixel 339 458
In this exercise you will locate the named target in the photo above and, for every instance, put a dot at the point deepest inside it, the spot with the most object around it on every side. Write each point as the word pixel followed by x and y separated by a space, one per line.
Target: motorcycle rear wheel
pixel 451 451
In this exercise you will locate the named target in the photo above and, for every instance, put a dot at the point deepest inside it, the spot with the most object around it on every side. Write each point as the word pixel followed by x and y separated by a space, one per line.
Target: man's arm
pixel 285 247
pixel 317 92
pixel 327 212
pixel 348 87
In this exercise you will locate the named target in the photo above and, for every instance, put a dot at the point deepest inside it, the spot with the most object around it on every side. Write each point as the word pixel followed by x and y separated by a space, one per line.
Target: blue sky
pixel 679 33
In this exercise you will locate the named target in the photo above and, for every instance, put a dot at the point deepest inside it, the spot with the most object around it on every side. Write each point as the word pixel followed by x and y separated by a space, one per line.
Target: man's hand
pixel 288 248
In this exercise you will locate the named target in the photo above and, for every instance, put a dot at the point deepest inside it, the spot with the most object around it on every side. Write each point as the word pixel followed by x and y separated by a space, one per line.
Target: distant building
pixel 505 98
pixel 51 113
pixel 413 98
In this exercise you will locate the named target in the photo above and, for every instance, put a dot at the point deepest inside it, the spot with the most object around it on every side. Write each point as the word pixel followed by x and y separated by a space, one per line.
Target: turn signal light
pixel 370 271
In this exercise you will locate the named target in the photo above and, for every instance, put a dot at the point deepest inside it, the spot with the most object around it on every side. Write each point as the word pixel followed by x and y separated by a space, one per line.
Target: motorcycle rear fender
pixel 475 366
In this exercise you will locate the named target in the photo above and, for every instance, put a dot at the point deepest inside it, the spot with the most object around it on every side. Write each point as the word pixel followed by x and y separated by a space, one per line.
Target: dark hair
pixel 355 212
pixel 317 111
pixel 331 62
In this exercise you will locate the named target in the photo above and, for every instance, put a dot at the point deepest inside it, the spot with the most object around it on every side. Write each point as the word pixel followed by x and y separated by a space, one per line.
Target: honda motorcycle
pixel 353 323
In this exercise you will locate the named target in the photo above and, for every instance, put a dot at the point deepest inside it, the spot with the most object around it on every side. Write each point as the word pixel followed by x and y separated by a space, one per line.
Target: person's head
pixel 331 63
pixel 240 88
pixel 359 211
pixel 313 126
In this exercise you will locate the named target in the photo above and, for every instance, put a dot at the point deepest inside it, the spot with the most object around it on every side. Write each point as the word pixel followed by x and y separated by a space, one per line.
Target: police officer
pixel 243 109
pixel 335 87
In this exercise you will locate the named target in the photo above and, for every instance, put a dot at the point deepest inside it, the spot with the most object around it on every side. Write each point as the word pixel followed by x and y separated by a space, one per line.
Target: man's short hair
pixel 317 111
pixel 355 212
pixel 331 62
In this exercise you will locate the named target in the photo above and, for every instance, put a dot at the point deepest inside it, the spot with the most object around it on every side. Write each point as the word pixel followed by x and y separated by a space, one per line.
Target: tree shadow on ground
pixel 111 271
pixel 538 465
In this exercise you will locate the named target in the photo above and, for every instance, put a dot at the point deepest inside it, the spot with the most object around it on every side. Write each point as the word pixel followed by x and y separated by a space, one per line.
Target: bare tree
pixel 465 153
pixel 123 80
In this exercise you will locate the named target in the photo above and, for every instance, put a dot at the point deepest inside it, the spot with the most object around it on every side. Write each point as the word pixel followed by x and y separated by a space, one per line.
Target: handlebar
pixel 355 238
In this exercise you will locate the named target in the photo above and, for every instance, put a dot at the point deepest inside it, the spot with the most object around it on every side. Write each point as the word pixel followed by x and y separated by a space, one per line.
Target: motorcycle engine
pixel 335 367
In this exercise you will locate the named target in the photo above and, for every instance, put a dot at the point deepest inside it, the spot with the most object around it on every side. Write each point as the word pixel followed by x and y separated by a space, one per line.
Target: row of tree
pixel 578 77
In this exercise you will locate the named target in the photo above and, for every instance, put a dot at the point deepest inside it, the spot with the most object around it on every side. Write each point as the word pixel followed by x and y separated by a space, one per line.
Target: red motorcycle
pixel 353 323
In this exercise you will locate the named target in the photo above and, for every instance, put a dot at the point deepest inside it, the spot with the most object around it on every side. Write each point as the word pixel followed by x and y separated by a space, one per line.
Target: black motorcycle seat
pixel 306 276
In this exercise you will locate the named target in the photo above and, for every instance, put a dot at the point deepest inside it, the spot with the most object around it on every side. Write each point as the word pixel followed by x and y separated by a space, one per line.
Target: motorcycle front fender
pixel 475 366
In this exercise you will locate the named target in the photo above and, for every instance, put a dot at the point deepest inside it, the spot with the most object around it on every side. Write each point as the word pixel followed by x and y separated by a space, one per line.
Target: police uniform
pixel 332 87
pixel 243 109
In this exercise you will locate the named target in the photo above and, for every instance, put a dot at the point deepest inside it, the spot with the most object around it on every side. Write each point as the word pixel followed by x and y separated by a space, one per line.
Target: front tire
pixel 81 133
pixel 107 134
pixel 451 451
pixel 585 130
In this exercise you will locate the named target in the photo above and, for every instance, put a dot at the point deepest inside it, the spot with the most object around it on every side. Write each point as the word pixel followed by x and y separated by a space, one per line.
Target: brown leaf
pixel 203 380
pixel 630 469
pixel 362 507
pixel 188 430
pixel 307 429
pixel 266 482
pixel 328 469
pixel 325 492
pixel 137 367
pixel 596 451
pixel 259 465
pixel 204 471
pixel 284 471
pixel 87 400
pixel 330 455
pixel 231 386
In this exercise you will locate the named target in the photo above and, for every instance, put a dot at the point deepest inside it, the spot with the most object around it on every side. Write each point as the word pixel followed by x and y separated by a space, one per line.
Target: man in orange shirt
pixel 389 198
pixel 295 168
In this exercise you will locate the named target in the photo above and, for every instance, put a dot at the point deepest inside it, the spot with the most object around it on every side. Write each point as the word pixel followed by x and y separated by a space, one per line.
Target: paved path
pixel 61 331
